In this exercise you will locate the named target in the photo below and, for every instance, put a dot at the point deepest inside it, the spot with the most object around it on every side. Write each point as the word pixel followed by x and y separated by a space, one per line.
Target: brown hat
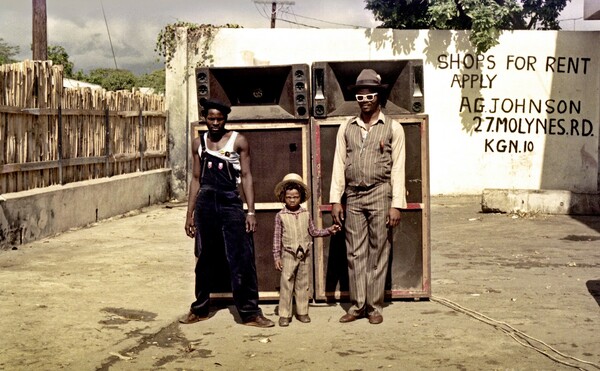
pixel 291 178
pixel 370 79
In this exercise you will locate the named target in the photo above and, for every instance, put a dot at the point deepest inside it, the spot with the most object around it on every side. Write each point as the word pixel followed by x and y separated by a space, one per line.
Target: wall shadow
pixel 591 221
pixel 593 287
pixel 437 41
pixel 576 138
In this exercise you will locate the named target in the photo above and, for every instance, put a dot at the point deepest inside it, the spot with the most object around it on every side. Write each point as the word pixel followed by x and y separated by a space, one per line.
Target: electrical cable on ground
pixel 519 336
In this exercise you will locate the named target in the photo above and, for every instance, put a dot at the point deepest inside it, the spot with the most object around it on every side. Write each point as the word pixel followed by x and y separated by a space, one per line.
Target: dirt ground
pixel 510 292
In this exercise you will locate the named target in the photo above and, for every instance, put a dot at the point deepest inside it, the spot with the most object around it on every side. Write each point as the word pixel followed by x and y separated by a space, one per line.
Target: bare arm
pixel 194 187
pixel 243 148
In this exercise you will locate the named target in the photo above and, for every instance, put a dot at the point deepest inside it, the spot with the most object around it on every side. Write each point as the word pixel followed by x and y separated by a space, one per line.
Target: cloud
pixel 78 25
pixel 134 25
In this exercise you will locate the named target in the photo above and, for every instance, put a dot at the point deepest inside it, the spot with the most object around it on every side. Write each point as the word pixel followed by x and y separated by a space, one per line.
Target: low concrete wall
pixel 540 201
pixel 38 213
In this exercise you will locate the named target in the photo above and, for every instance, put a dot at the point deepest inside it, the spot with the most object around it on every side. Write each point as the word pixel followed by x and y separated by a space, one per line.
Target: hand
pixel 337 213
pixel 278 265
pixel 250 223
pixel 334 229
pixel 393 218
pixel 190 228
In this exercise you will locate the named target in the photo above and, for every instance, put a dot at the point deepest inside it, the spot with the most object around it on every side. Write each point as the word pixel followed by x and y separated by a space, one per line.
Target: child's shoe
pixel 284 321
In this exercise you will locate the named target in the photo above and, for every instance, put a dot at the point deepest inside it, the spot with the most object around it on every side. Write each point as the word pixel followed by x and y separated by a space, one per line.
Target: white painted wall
pixel 485 131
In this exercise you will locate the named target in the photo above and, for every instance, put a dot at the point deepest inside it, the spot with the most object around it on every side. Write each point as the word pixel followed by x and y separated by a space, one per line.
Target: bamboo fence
pixel 53 135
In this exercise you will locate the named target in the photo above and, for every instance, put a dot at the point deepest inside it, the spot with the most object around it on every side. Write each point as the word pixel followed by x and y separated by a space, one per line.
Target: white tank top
pixel 227 153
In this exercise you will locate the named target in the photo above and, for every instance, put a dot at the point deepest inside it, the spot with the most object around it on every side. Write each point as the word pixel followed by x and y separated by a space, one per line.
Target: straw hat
pixel 291 178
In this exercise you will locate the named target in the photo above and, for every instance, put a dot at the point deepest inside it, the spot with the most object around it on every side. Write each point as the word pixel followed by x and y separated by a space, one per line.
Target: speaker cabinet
pixel 409 265
pixel 257 93
pixel 277 148
pixel 330 82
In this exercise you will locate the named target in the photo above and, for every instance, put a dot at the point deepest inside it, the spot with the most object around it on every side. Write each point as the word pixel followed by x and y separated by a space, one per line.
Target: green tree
pixel 7 52
pixel 154 80
pixel 112 79
pixel 79 75
pixel 485 18
pixel 59 56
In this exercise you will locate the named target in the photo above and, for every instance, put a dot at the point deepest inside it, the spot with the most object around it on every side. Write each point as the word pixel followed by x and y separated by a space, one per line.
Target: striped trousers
pixel 294 282
pixel 367 247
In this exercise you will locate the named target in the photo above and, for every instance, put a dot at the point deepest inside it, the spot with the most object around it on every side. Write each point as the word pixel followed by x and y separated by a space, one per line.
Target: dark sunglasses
pixel 365 97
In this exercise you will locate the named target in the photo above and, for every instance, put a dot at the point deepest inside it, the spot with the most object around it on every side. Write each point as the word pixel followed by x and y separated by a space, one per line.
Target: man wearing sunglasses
pixel 368 168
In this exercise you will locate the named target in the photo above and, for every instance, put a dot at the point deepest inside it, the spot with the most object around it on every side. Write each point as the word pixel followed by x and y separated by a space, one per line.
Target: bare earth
pixel 517 292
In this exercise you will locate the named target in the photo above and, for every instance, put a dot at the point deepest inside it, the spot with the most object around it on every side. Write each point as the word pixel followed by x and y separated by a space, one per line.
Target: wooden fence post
pixel 60 146
pixel 107 149
pixel 141 146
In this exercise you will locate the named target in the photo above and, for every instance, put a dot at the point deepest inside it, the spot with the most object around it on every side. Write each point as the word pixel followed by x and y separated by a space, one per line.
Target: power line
pixel 109 39
pixel 321 20
pixel 262 11
pixel 283 6
pixel 274 4
pixel 300 24
pixel 569 19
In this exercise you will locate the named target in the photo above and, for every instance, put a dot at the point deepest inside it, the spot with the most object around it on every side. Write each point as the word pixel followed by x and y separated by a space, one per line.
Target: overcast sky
pixel 79 27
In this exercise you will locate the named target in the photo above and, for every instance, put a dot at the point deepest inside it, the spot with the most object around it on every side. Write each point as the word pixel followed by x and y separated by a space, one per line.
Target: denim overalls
pixel 221 224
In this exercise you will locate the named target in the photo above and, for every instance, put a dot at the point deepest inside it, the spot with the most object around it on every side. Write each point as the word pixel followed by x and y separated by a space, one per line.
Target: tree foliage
pixel 59 56
pixel 119 79
pixel 112 79
pixel 7 52
pixel 107 78
pixel 154 80
pixel 485 18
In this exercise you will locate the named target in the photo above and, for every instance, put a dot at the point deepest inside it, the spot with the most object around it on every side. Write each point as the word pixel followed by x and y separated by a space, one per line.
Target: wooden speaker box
pixel 409 268
pixel 276 149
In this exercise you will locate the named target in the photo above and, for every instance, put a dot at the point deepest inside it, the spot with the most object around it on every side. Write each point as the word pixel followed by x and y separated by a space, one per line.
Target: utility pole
pixel 274 8
pixel 273 14
pixel 39 31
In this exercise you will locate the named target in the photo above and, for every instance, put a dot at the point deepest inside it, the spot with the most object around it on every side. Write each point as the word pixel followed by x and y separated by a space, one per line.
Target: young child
pixel 292 242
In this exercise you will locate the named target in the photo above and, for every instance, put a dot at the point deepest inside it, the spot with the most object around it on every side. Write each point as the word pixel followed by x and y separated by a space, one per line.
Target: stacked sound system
pixel 333 103
pixel 270 106
pixel 290 115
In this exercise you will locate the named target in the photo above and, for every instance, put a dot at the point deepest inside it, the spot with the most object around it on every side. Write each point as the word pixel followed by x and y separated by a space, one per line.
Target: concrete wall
pixel 38 213
pixel 523 116
pixel 178 99
pixel 541 201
